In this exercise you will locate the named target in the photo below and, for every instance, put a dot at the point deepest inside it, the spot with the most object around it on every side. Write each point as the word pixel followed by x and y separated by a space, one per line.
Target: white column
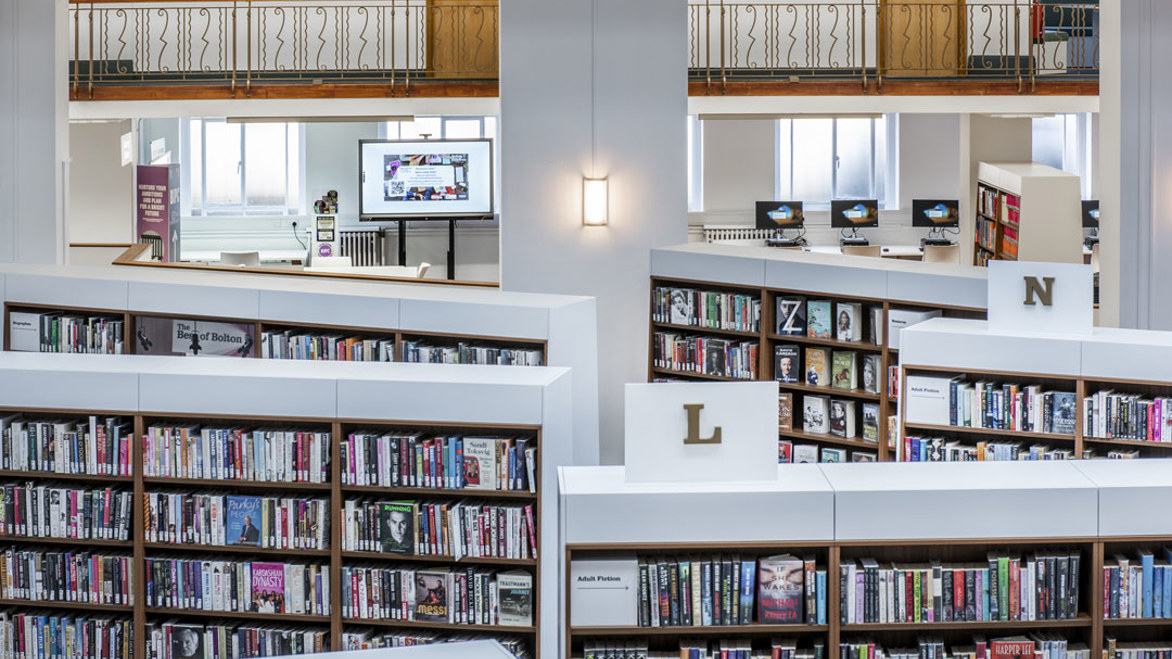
pixel 34 130
pixel 1136 163
pixel 594 88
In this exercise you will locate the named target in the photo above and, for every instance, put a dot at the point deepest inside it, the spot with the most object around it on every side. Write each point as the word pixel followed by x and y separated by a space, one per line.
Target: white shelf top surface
pixel 884 477
pixel 1127 474
pixel 587 481
pixel 1030 169
pixel 1133 495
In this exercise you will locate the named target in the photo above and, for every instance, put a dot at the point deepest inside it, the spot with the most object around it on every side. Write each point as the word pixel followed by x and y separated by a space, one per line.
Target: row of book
pixel 837 369
pixel 939 449
pixel 1040 586
pixel 66 576
pixel 176 640
pixel 1113 649
pixel 28 510
pixel 471 596
pixel 204 585
pixel 839 417
pixel 98 446
pixel 723 590
pixel 263 454
pixel 790 453
pixel 65 332
pixel 45 635
pixel 987 234
pixel 458 529
pixel 1037 645
pixel 299 344
pixel 989 202
pixel 222 520
pixel 1109 415
pixel 824 319
pixel 370 639
pixel 1025 408
pixel 706 355
pixel 691 649
pixel 453 463
pixel 421 352
pixel 1138 587
pixel 708 309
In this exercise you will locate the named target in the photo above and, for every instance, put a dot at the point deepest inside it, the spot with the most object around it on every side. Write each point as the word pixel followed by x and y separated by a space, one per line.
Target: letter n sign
pixel 1039 291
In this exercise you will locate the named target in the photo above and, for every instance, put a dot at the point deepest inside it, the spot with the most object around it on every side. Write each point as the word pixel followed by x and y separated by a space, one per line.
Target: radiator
pixel 363 246
pixel 714 234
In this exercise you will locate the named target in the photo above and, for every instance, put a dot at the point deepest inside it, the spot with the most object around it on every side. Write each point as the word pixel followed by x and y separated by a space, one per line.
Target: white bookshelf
pixel 325 392
pixel 1050 227
pixel 1132 495
pixel 566 324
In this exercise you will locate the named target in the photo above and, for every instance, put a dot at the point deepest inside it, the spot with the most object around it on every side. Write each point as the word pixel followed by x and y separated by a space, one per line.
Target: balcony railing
pixel 873 40
pixel 240 43
pixel 402 44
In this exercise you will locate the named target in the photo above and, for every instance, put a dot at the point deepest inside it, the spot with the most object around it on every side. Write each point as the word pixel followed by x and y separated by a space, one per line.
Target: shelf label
pixel 604 592
pixel 701 432
pixel 1047 298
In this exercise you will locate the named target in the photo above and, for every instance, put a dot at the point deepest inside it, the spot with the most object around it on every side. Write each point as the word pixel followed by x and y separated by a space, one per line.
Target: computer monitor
pixel 780 215
pixel 936 213
pixel 1090 214
pixel 854 213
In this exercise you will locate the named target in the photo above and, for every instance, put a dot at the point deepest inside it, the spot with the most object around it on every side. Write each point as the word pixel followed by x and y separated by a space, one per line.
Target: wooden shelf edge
pixel 713 630
pixel 927 427
pixel 451 626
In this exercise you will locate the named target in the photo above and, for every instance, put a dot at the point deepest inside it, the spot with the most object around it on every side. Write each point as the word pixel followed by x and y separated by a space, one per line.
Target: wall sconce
pixel 595 202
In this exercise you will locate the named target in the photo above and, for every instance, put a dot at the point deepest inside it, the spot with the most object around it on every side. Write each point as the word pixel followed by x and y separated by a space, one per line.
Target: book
pixel 833 454
pixel 815 415
pixel 805 454
pixel 1064 410
pixel 243 518
pixel 897 319
pixel 863 456
pixel 787 363
pixel 398 521
pixel 842 418
pixel 268 588
pixel 785 451
pixel 849 322
pixel 480 463
pixel 818 321
pixel 872 373
pixel 1016 647
pixel 785 411
pixel 843 369
pixel 187 641
pixel 871 422
pixel 876 335
pixel 791 316
pixel 817 367
pixel 680 309
pixel 515 589
pixel 780 590
pixel 432 597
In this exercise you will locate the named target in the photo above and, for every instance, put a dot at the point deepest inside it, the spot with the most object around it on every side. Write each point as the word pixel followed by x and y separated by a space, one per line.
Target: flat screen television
pixel 936 213
pixel 424 179
pixel 1090 214
pixel 779 214
pixel 854 213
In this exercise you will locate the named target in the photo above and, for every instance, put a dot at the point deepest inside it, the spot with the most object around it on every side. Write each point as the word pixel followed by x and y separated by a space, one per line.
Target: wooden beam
pixel 1057 86
pixel 201 91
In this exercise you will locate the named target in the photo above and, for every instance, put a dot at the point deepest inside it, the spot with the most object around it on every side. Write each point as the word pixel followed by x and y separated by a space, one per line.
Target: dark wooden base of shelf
pixel 74 542
pixel 233 549
pixel 84 478
pixel 1137 622
pixel 1081 621
pixel 411 558
pixel 852 442
pixel 1018 434
pixel 76 606
pixel 240 615
pixel 438 492
pixel 163 481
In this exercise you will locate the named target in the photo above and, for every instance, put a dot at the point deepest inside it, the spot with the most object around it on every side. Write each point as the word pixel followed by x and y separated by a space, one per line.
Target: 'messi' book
pixel 815 412
pixel 818 322
pixel 433 598
pixel 780 590
pixel 791 316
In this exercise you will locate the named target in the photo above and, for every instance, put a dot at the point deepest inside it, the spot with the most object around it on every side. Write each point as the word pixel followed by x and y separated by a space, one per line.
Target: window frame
pixel 202 209
pixel 888 166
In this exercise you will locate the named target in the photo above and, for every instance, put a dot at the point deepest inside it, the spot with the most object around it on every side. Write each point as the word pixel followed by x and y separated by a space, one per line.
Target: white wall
pixel 101 189
pixel 740 169
pixel 560 66
pixel 34 135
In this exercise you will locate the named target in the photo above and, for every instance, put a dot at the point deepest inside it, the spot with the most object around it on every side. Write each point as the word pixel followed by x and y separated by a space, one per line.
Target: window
pixel 243 168
pixel 455 128
pixel 1064 142
pixel 820 159
pixel 695 164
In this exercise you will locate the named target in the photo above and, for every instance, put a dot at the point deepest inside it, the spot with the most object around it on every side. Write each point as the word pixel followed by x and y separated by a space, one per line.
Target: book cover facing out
pixel 268 587
pixel 200 338
pixel 243 521
pixel 157 210
pixel 398 532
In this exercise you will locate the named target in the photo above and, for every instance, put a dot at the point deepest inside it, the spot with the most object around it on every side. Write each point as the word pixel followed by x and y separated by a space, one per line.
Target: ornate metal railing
pixel 246 42
pixel 870 40
pixel 400 43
